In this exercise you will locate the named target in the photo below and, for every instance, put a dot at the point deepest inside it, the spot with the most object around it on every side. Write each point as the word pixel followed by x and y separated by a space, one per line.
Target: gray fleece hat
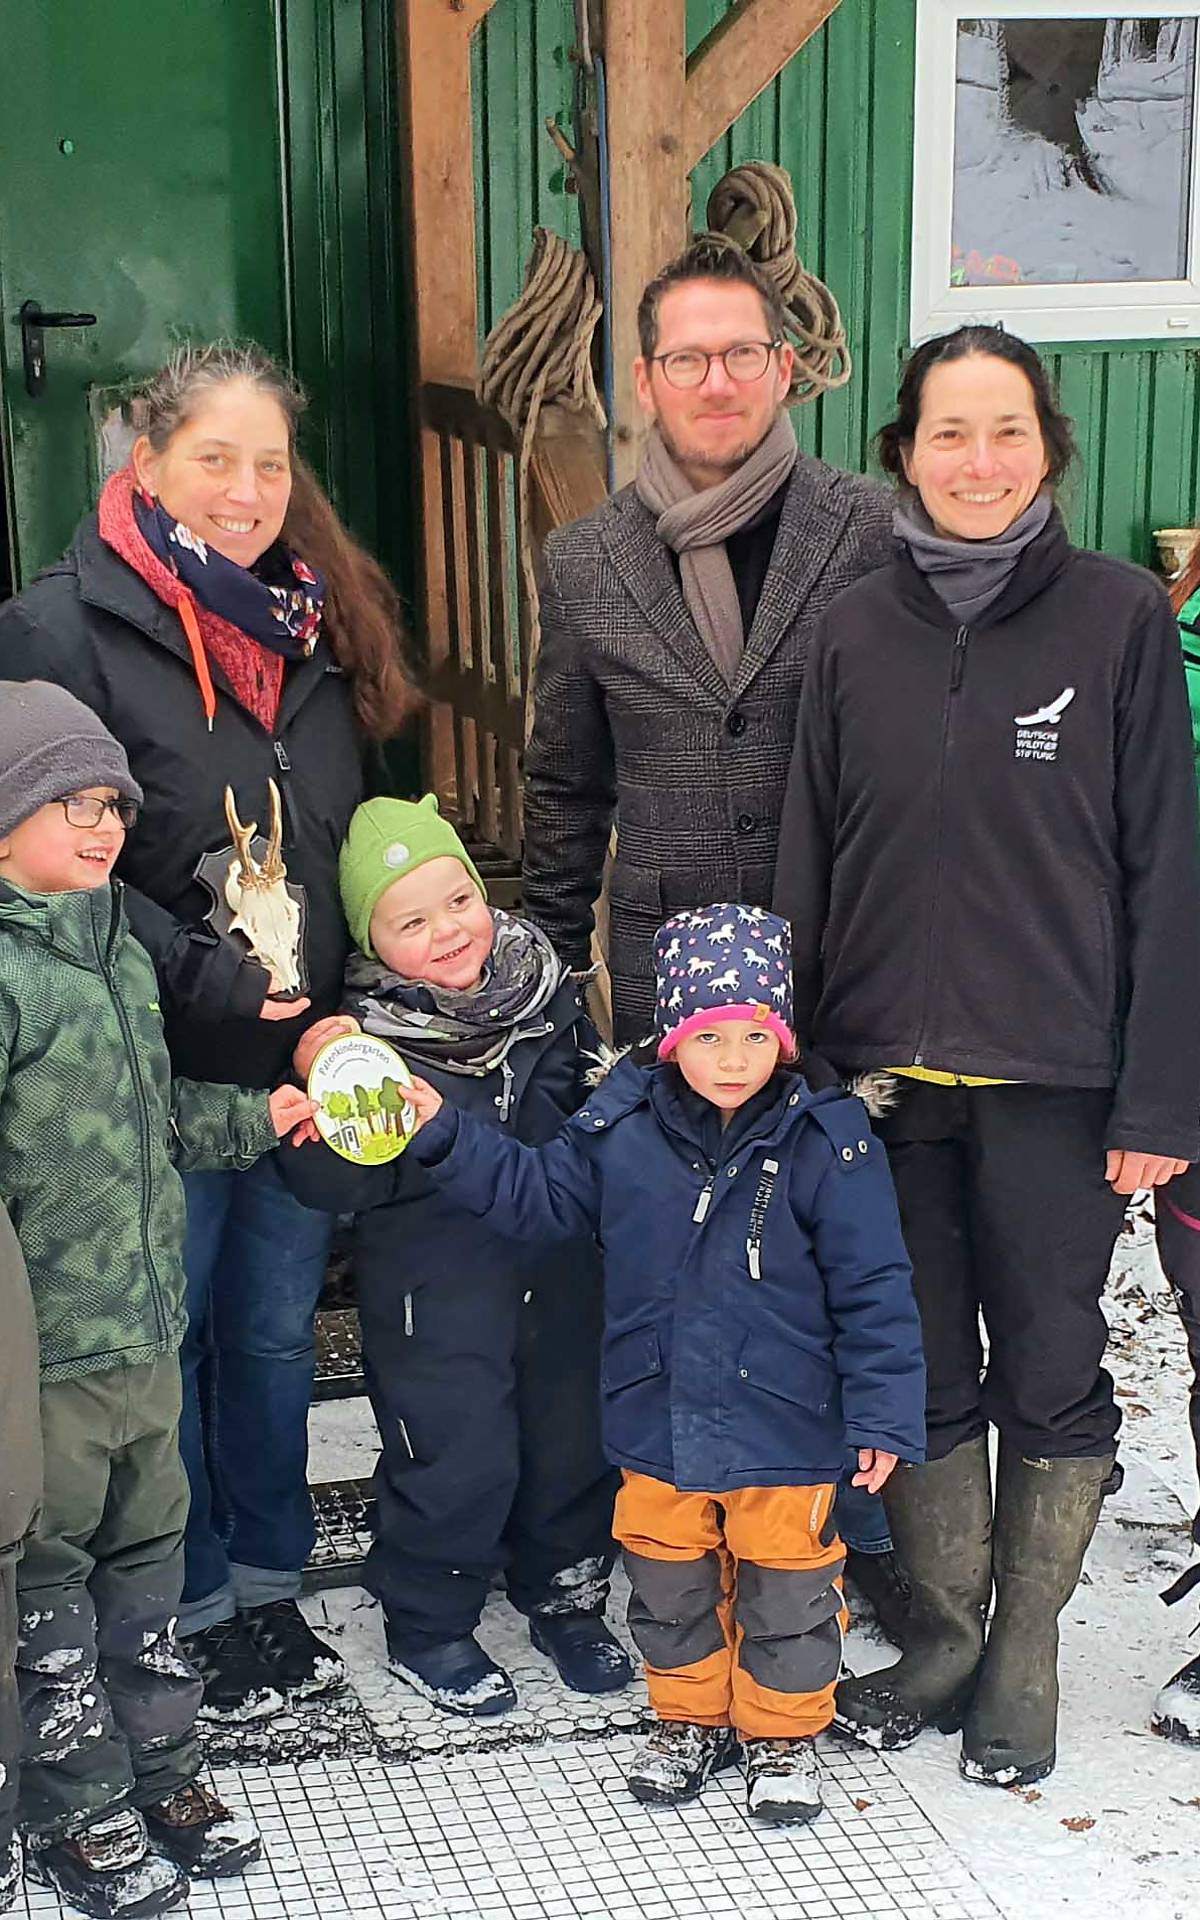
pixel 52 745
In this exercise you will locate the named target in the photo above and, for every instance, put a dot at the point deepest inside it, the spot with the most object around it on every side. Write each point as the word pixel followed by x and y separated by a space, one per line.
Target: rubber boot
pixel 1046 1513
pixel 940 1517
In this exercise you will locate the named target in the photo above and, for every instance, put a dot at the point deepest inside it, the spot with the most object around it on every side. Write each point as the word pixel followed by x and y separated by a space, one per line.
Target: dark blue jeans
pixel 860 1516
pixel 255 1261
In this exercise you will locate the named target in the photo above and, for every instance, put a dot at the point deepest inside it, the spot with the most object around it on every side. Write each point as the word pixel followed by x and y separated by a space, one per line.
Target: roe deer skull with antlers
pixel 257 896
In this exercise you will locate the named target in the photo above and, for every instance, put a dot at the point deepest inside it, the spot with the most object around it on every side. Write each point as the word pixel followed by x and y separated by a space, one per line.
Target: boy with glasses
pixel 91 1131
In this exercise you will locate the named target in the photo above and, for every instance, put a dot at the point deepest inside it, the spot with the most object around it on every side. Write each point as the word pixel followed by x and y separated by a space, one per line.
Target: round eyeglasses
pixel 744 363
pixel 88 810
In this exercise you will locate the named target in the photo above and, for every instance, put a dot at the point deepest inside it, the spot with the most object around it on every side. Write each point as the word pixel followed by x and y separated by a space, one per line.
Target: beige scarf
pixel 697 525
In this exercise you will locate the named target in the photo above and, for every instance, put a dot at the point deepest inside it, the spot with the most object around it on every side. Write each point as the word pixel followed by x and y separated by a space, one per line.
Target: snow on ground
pixel 1118 1821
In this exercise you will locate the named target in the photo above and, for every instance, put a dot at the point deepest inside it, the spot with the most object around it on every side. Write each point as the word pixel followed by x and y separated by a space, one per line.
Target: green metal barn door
pixel 140 200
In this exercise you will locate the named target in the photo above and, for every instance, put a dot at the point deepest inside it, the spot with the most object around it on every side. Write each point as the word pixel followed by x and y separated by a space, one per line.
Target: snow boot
pixel 110 1870
pixel 201 1835
pixel 238 1685
pixel 1176 1712
pixel 12 1864
pixel 1046 1513
pixel 877 1580
pixel 300 1665
pixel 676 1761
pixel 940 1517
pixel 588 1658
pixel 455 1674
pixel 783 1781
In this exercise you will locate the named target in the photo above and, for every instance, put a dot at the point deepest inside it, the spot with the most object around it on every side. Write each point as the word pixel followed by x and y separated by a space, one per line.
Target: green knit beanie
pixel 387 839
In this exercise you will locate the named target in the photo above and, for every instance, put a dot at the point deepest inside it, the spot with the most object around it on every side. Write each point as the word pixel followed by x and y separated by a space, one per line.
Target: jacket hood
pixel 74 924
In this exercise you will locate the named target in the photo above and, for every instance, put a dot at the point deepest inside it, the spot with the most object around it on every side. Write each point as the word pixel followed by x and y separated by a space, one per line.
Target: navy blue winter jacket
pixel 759 1313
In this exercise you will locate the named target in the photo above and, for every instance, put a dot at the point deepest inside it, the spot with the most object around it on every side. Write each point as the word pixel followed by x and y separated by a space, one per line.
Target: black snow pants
pixel 1177 1230
pixel 1006 1213
pixel 485 1386
pixel 107 1699
pixel 10 1710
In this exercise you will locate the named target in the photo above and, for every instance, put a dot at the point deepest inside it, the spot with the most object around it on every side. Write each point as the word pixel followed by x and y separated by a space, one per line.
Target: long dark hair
pixel 363 619
pixel 1058 433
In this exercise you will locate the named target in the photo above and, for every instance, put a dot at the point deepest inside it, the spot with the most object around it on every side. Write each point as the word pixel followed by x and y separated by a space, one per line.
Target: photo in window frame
pixel 1116 311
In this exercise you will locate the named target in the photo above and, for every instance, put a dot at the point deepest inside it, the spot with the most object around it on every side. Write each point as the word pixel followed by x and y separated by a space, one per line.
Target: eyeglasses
pixel 88 810
pixel 745 363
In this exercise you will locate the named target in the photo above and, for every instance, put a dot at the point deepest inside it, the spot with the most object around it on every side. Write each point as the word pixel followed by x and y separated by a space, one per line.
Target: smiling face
pixel 434 924
pixel 226 473
pixel 46 854
pixel 711 429
pixel 729 1062
pixel 978 458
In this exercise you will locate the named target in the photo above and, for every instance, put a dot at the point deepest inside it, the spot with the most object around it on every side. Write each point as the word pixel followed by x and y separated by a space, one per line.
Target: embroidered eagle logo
pixel 1048 716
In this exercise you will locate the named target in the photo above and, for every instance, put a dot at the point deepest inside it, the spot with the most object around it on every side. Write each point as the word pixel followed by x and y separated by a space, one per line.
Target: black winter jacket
pixel 408 1231
pixel 989 852
pixel 94 626
pixel 20 1422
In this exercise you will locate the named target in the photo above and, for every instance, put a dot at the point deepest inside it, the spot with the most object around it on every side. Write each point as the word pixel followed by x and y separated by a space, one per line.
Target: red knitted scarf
pixel 253 671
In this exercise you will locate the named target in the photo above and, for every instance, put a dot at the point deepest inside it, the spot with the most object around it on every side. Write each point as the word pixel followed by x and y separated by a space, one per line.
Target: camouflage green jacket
pixel 92 1130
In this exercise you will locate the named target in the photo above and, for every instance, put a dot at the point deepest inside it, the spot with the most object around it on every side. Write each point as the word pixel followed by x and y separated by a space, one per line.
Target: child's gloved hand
pixel 309 1045
pixel 426 1100
pixel 291 1112
pixel 874 1467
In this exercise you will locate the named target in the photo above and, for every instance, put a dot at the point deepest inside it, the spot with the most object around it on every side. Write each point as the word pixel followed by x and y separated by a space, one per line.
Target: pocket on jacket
pixel 629 1358
pixel 788 1372
pixel 633 891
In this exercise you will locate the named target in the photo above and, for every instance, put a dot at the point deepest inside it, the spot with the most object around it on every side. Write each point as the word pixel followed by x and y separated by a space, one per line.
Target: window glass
pixel 1072 150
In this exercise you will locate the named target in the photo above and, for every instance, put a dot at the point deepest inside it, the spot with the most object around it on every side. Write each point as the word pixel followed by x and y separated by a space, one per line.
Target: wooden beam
pixel 742 55
pixel 645 45
pixel 433 77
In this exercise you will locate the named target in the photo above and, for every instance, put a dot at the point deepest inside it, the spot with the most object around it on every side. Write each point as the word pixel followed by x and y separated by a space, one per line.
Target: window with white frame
pixel 1056 170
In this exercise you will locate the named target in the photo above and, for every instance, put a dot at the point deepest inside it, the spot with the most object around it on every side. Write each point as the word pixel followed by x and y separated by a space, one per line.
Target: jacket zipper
pixel 958 662
pixel 284 765
pixel 139 1087
pixel 758 1216
pixel 705 1200
pixel 504 1098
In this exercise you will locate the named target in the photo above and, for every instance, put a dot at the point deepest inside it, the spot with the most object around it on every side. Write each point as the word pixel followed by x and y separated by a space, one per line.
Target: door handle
pixel 33 319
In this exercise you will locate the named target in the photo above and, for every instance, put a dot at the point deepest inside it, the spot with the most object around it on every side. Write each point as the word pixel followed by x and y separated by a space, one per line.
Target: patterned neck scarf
pixel 277 602
pixel 461 1032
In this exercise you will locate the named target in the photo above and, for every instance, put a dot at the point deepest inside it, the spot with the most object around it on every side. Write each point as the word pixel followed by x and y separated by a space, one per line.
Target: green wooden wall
pixel 840 119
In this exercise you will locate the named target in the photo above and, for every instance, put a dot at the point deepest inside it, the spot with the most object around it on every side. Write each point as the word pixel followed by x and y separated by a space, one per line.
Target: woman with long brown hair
pixel 228 630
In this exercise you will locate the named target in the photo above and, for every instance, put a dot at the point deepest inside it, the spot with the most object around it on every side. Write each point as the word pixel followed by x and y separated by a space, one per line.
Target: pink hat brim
pixel 715 1016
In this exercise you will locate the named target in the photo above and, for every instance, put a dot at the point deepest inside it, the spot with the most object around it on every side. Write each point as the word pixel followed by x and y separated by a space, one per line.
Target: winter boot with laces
pixel 676 1761
pixel 12 1864
pixel 110 1870
pixel 1176 1712
pixel 201 1835
pixel 1046 1514
pixel 455 1674
pixel 940 1517
pixel 783 1781
pixel 588 1658
pixel 300 1664
pixel 238 1685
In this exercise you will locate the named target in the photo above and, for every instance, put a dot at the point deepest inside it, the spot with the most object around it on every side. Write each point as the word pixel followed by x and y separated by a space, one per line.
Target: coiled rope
pixel 539 354
pixel 754 207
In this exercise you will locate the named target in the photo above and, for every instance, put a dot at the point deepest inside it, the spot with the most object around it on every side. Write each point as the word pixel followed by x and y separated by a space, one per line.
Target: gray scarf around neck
pixel 697 525
pixel 967 575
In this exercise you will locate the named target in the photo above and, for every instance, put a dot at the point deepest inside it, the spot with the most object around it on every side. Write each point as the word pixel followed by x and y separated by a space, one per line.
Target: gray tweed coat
pixel 633 721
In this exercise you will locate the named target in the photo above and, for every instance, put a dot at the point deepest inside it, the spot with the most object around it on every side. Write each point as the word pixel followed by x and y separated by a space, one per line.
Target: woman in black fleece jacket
pixel 989 856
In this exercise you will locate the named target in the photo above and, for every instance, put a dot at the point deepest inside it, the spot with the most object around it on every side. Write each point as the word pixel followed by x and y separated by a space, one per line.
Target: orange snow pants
pixel 736 1604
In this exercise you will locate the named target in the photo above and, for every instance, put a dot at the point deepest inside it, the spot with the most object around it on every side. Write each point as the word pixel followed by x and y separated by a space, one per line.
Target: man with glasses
pixel 675 622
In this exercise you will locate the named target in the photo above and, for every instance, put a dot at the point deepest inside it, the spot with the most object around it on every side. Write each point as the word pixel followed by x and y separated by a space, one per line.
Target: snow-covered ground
pixel 381 1808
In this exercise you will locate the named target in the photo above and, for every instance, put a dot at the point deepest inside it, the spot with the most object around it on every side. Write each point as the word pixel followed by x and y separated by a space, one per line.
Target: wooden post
pixel 742 55
pixel 433 44
pixel 645 44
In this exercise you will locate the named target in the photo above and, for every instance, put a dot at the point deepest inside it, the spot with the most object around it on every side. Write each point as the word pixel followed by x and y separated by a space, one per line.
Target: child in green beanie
pixel 481 1358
